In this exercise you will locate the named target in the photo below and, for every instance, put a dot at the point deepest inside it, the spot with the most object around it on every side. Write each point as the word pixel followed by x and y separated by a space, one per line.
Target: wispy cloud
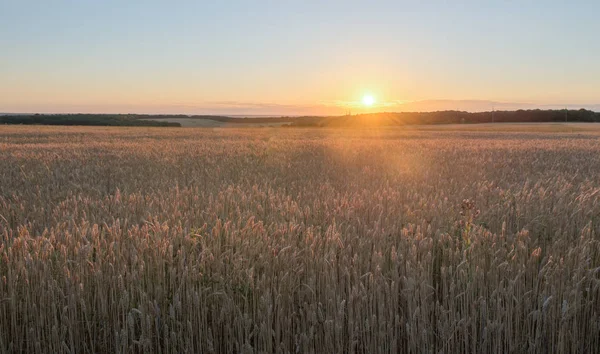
pixel 360 104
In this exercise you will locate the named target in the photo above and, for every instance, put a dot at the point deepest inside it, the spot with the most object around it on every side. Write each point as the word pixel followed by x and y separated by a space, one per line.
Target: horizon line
pixel 250 109
pixel 238 115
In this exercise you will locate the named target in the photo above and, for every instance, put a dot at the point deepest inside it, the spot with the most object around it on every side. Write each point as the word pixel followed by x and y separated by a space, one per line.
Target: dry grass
pixel 298 241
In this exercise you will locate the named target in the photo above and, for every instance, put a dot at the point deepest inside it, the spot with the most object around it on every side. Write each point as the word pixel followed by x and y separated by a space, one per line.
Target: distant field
pixel 516 127
pixel 437 239
pixel 209 123
pixel 507 127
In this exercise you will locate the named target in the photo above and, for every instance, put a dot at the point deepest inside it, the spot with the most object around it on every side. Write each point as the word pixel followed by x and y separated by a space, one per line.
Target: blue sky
pixel 295 57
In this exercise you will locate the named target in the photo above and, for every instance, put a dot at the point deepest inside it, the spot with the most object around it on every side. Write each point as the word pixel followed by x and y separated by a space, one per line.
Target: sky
pixel 297 57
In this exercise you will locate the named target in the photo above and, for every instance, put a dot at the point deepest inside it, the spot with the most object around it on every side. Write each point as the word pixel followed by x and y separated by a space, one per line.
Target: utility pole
pixel 566 114
pixel 493 113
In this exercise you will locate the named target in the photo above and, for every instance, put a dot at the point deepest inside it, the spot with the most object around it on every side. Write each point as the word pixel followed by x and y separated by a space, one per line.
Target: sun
pixel 368 100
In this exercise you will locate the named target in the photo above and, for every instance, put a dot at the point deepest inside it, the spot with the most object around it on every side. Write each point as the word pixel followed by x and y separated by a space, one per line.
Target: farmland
pixel 299 240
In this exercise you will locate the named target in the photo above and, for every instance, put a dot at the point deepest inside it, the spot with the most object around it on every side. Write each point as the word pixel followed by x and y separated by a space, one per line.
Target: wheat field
pixel 275 240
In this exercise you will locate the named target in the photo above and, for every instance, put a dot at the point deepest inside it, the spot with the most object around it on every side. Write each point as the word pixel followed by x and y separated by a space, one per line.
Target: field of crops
pixel 285 240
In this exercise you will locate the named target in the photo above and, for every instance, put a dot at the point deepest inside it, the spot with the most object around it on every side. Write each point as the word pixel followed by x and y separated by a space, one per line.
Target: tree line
pixel 84 119
pixel 370 119
pixel 451 117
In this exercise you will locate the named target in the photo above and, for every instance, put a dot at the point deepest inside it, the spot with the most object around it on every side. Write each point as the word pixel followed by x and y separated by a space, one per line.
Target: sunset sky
pixel 297 57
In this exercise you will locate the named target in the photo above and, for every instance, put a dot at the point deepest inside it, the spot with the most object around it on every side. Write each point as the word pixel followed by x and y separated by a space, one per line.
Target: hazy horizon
pixel 418 106
pixel 309 58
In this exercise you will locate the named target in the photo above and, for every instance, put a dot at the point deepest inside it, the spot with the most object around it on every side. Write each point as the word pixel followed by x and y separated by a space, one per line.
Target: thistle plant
pixel 468 214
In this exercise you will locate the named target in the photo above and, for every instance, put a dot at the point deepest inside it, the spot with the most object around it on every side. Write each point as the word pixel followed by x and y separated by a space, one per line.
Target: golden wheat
pixel 298 241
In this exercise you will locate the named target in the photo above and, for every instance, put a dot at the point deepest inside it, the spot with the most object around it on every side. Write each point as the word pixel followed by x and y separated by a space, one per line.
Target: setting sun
pixel 368 100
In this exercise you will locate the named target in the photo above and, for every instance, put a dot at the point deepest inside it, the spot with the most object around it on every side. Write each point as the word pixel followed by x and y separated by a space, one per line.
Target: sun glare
pixel 368 100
